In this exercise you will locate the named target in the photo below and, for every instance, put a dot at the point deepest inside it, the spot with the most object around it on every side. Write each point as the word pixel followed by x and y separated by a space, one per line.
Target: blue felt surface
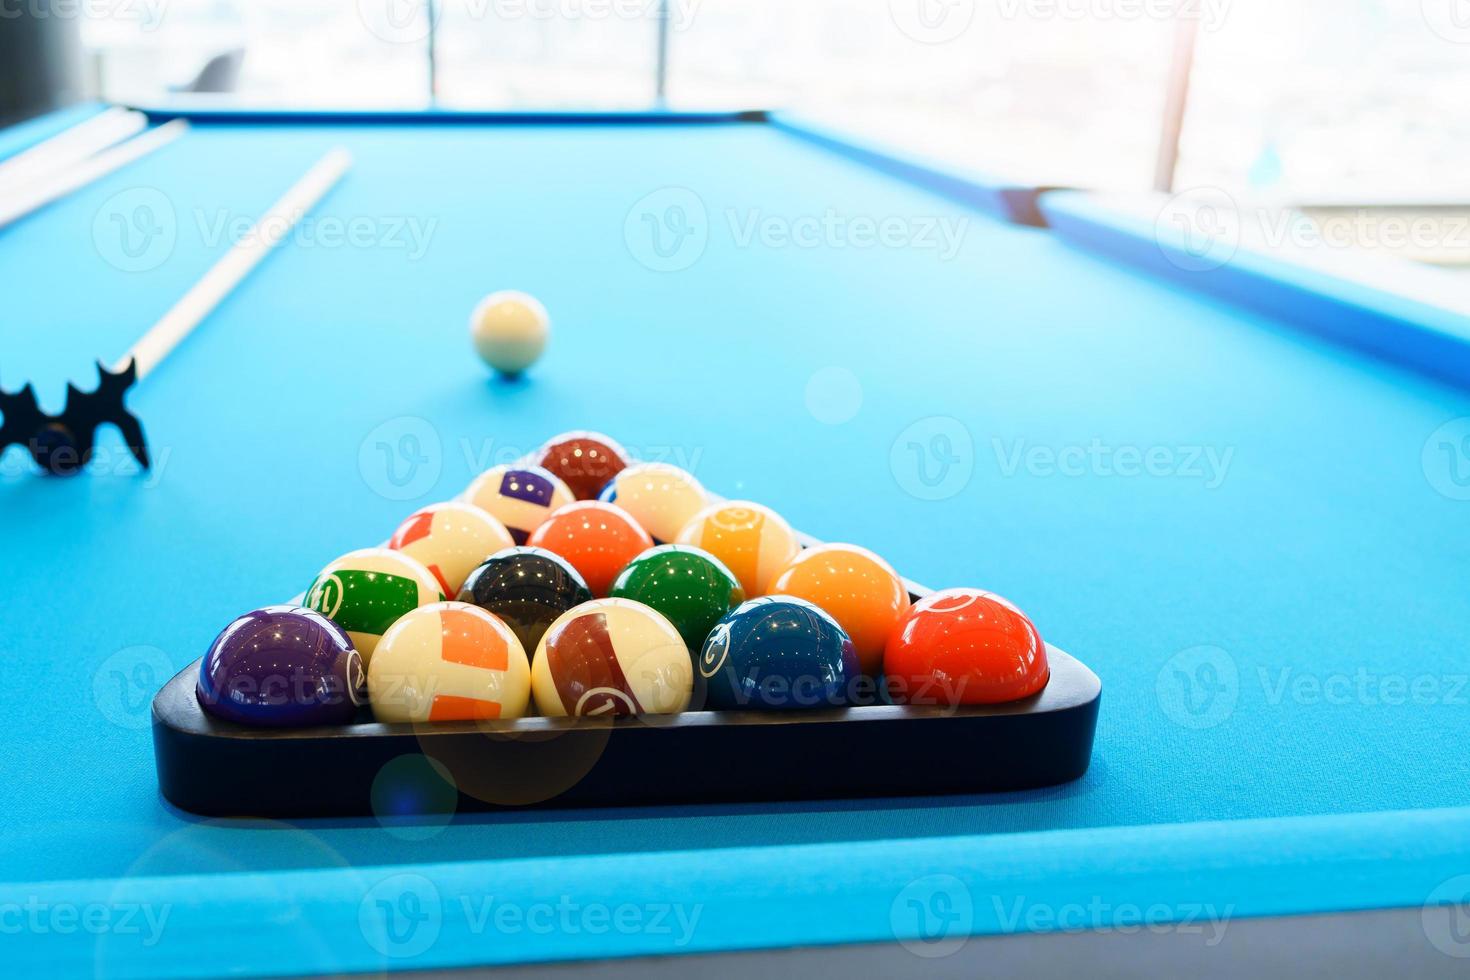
pixel 1324 553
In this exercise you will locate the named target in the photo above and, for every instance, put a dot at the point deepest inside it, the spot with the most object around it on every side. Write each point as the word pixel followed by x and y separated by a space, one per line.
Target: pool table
pixel 1237 492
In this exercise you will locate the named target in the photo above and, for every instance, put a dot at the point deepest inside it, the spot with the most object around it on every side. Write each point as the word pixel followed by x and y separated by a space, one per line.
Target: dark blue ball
pixel 777 653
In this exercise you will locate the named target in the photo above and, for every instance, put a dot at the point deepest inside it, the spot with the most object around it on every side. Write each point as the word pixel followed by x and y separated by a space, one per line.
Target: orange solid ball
pixel 598 539
pixel 964 646
pixel 861 591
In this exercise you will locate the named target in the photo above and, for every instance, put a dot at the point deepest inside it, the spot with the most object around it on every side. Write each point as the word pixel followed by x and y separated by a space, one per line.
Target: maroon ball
pixel 585 461
pixel 282 666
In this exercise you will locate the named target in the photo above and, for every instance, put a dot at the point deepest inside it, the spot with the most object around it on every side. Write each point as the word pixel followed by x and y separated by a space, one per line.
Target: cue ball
pixel 509 330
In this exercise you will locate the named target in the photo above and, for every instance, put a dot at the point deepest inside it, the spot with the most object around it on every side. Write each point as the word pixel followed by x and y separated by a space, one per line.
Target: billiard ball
pixel 860 590
pixel 509 330
pixel 282 666
pixel 449 661
pixel 519 496
pixel 585 461
pixel 598 539
pixel 611 657
pixel 752 540
pixel 777 653
pixel 451 539
pixel 366 591
pixel 689 586
pixel 527 588
pixel 660 497
pixel 964 646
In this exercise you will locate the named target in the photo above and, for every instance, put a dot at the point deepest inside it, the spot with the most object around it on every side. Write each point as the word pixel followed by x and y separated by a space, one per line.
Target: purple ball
pixel 282 666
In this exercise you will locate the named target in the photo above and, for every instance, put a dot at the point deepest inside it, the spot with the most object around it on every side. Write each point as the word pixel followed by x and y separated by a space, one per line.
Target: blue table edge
pixel 1392 327
pixel 772 897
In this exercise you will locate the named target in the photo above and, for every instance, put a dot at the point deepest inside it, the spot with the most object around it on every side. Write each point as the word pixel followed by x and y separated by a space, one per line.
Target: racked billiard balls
pixel 282 666
pixel 509 330
pixel 585 461
pixel 660 497
pixel 752 540
pixel 778 653
pixel 860 590
pixel 521 497
pixel 598 539
pixel 691 587
pixel 449 661
pixel 528 588
pixel 368 590
pixel 450 539
pixel 611 657
pixel 964 646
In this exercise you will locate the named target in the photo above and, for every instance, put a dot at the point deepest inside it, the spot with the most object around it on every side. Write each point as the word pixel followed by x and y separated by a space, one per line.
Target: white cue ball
pixel 509 329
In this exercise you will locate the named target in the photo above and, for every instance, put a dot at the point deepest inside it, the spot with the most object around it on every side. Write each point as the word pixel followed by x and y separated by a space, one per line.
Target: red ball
pixel 964 646
pixel 585 461
pixel 598 540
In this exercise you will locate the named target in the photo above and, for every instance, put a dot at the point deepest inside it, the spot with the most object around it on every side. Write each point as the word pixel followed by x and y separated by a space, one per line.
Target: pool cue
pixel 74 430
pixel 85 139
pixel 235 265
pixel 43 191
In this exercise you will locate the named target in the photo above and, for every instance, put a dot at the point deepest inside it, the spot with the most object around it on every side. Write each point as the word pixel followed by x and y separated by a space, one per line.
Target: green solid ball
pixel 690 586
